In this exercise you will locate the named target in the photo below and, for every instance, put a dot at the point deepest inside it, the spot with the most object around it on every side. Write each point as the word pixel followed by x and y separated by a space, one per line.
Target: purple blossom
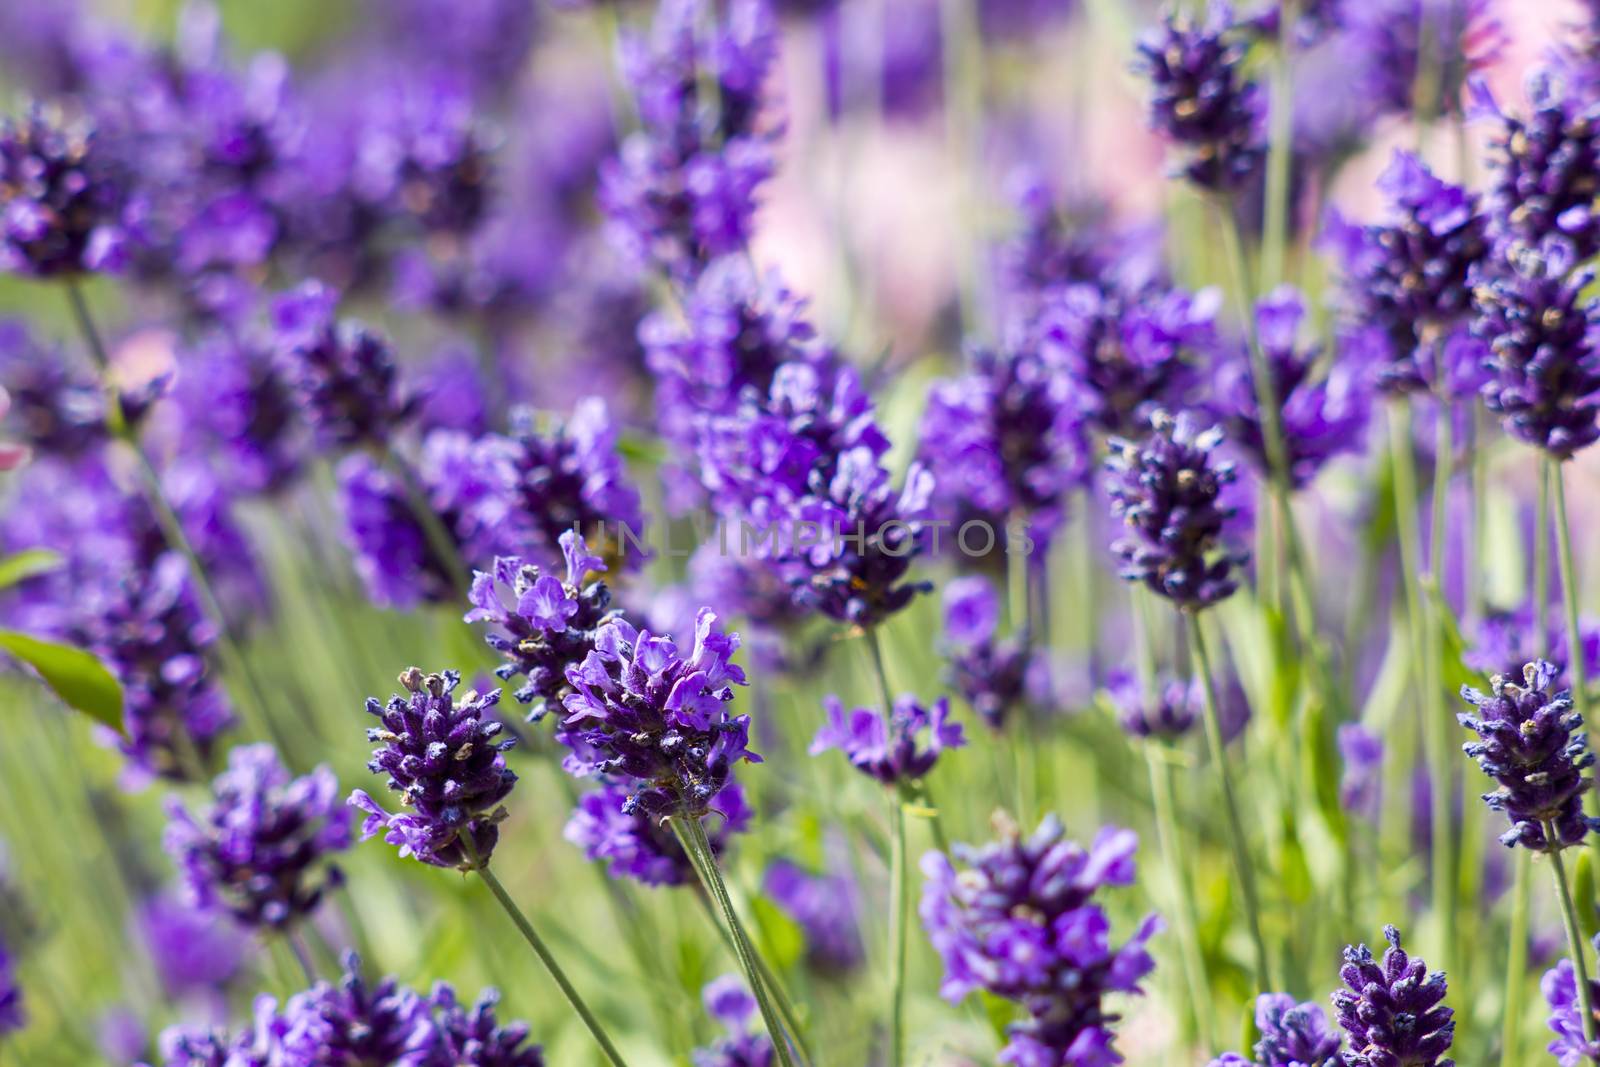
pixel 445 760
pixel 258 852
pixel 1201 101
pixel 655 721
pixel 1546 167
pixel 474 1037
pixel 1168 493
pixel 1292 1035
pixel 1560 988
pixel 1171 714
pixel 1532 746
pixel 1395 38
pixel 634 845
pixel 64 206
pixel 893 753
pixel 354 1023
pixel 55 409
pixel 1392 1011
pixel 1021 923
pixel 1507 640
pixel 1362 752
pixel 12 1015
pixel 827 909
pixel 238 406
pixel 486 41
pixel 991 675
pixel 730 1004
pixel 194 950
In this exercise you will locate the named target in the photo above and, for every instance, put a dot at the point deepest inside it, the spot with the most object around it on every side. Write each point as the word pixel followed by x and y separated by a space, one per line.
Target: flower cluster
pixel 447 763
pixel 1571 1047
pixel 990 674
pixel 1171 713
pixel 1532 746
pixel 64 208
pixel 1393 1011
pixel 636 846
pixel 257 851
pixel 1546 169
pixel 1021 923
pixel 1201 100
pixel 656 721
pixel 827 909
pixel 1506 641
pixel 1168 493
pixel 1292 1035
pixel 892 752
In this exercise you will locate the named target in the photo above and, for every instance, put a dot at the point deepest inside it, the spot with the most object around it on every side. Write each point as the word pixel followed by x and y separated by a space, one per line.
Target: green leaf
pixel 20 566
pixel 1583 892
pixel 73 674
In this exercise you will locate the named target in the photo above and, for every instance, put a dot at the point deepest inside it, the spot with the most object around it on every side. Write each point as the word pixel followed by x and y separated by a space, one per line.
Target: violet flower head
pixel 572 478
pixel 1201 100
pixel 1546 168
pixel 12 1015
pixel 730 1004
pixel 1021 922
pixel 53 409
pixel 990 674
pixel 343 375
pixel 1532 745
pixel 1320 415
pixel 1170 715
pixel 64 206
pixel 827 909
pixel 356 1023
pixel 262 851
pixel 238 406
pixel 1128 352
pixel 486 41
pixel 1560 988
pixel 1395 38
pixel 1362 752
pixel 895 753
pixel 445 759
pixel 475 1037
pixel 1168 491
pixel 1544 372
pixel 193 950
pixel 1292 1035
pixel 550 623
pixel 656 721
pixel 1008 442
pixel 634 845
pixel 1507 640
pixel 1393 1011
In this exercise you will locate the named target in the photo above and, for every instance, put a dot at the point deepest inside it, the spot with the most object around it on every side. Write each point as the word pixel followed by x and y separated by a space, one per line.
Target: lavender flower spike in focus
pixel 1292 1035
pixel 892 753
pixel 445 760
pixel 254 853
pixel 1531 746
pixel 1393 1011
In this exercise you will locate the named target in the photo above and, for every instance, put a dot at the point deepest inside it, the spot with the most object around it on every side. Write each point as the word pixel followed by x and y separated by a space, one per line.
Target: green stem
pixel 693 838
pixel 1516 961
pixel 1569 591
pixel 1569 917
pixel 780 995
pixel 302 956
pixel 1540 599
pixel 1236 838
pixel 1280 150
pixel 898 909
pixel 1435 710
pixel 553 968
pixel 1173 854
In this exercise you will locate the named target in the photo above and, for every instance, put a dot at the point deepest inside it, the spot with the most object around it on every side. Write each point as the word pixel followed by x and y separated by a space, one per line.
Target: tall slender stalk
pixel 693 838
pixel 525 928
pixel 1576 668
pixel 1280 148
pixel 1539 600
pixel 1173 853
pixel 1517 961
pixel 898 883
pixel 1569 918
pixel 302 956
pixel 1435 711
pixel 780 996
pixel 1236 838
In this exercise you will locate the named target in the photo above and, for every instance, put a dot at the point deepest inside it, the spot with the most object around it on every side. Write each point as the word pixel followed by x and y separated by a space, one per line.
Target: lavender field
pixel 799 533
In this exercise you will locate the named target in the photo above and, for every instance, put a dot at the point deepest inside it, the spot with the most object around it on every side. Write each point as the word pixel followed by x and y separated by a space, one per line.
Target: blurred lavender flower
pixel 475 1038
pixel 1560 988
pixel 893 753
pixel 1396 40
pixel 446 762
pixel 1362 751
pixel 827 909
pixel 53 409
pixel 655 721
pixel 895 62
pixel 728 1002
pixel 1546 167
pixel 991 675
pixel 12 1015
pixel 64 207
pixel 486 41
pixel 238 408
pixel 549 626
pixel 1322 415
pixel 1201 101
pixel 1168 492
pixel 636 846
pixel 1505 641
pixel 1533 748
pixel 1292 1035
pixel 1544 379
pixel 257 852
pixel 194 950
pixel 1168 717
pixel 1021 923
pixel 1392 1012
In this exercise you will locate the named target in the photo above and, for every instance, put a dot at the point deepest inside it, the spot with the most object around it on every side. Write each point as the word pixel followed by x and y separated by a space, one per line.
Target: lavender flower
pixel 656 721
pixel 894 753
pixel 827 909
pixel 486 41
pixel 1168 492
pixel 636 846
pixel 1505 641
pixel 237 405
pixel 1531 746
pixel 1392 1013
pixel 257 851
pixel 1021 923
pixel 194 951
pixel 1396 38
pixel 1560 988
pixel 1168 717
pixel 728 1002
pixel 1362 752
pixel 991 675
pixel 1292 1035
pixel 1542 337
pixel 550 624
pixel 354 1023
pixel 55 410
pixel 12 1015
pixel 475 1038
pixel 1547 168
pixel 198 1046
pixel 64 208
pixel 1201 100
pixel 445 761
